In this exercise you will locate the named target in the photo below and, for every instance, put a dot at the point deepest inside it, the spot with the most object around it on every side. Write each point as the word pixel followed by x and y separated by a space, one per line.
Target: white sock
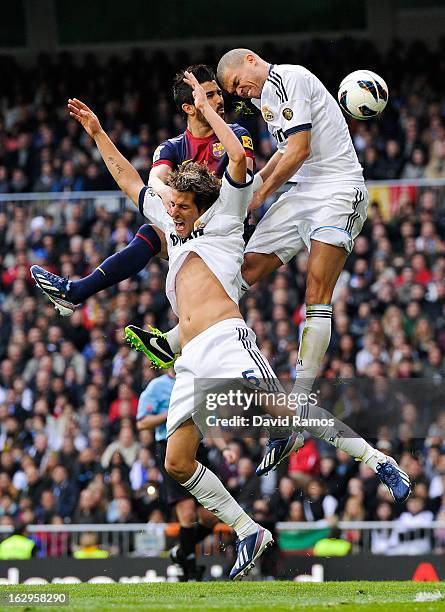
pixel 173 339
pixel 212 494
pixel 313 346
pixel 340 435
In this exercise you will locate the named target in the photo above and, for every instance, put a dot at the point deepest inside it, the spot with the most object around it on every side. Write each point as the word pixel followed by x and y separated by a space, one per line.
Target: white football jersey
pixel 293 100
pixel 217 238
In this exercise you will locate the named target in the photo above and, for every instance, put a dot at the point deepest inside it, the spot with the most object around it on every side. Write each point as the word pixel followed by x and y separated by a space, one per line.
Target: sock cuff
pixel 173 339
pixel 196 478
pixel 319 311
pixel 149 235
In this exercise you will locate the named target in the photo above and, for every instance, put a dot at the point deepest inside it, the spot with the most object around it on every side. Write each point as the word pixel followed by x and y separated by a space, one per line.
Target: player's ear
pixel 189 109
pixel 250 58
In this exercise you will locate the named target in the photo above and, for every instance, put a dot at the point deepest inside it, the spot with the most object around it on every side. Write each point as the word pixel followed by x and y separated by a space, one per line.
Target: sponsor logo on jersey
pixel 267 113
pixel 157 154
pixel 288 113
pixel 279 135
pixel 218 150
pixel 179 240
pixel 247 142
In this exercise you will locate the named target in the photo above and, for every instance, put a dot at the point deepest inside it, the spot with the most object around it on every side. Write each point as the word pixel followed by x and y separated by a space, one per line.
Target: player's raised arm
pixel 234 149
pixel 120 168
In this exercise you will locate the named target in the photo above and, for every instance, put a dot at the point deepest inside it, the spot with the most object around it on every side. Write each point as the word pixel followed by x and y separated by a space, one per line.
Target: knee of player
pixel 179 468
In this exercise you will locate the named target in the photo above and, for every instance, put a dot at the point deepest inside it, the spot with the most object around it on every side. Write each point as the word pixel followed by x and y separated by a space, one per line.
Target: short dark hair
pixel 199 180
pixel 182 93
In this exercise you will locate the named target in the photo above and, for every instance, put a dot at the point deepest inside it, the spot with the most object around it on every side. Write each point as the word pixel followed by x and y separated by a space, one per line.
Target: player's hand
pixel 199 95
pixel 166 197
pixel 256 201
pixel 85 116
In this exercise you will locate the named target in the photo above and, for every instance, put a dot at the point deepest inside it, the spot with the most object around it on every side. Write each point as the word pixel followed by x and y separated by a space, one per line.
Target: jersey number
pixel 249 376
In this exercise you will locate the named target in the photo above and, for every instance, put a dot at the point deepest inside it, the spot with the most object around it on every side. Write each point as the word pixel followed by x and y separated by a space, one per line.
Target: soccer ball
pixel 363 94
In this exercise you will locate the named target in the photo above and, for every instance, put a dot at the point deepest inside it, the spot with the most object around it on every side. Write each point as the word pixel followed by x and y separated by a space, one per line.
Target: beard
pixel 200 117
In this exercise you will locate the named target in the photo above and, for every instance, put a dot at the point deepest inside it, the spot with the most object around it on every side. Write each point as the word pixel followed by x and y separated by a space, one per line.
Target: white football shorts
pixel 333 213
pixel 226 351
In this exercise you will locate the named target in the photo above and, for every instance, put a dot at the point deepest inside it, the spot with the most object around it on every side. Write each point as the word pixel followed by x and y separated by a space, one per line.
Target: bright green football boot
pixel 153 343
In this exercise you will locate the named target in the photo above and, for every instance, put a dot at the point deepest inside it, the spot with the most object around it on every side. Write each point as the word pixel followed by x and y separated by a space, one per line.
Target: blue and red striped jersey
pixel 185 148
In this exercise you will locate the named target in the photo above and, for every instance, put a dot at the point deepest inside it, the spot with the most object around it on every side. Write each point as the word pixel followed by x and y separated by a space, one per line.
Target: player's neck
pixel 198 129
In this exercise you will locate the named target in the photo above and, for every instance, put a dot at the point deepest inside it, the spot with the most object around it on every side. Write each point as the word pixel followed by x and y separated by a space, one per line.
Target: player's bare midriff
pixel 202 300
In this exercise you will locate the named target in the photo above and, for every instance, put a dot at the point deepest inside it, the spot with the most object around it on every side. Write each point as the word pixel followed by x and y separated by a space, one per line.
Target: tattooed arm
pixel 120 168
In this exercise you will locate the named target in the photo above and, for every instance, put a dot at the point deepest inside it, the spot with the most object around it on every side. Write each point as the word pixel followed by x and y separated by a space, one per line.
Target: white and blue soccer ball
pixel 363 94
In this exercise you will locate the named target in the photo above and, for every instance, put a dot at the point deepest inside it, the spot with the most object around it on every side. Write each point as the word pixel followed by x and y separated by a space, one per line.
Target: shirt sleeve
pixel 293 90
pixel 152 208
pixel 165 154
pixel 147 404
pixel 246 140
pixel 234 197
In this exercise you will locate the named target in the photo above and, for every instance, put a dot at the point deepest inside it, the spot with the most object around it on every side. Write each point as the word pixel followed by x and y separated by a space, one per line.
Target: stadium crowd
pixel 69 388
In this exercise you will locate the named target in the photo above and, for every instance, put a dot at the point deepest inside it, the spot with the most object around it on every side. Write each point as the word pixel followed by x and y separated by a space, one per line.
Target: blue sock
pixel 116 268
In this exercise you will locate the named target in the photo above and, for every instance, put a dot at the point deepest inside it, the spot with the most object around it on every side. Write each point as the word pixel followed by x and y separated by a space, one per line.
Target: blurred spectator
pixel 65 492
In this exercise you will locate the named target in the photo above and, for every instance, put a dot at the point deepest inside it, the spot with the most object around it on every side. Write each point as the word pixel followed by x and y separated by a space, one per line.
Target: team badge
pixel 157 154
pixel 198 224
pixel 247 142
pixel 267 113
pixel 218 150
pixel 288 113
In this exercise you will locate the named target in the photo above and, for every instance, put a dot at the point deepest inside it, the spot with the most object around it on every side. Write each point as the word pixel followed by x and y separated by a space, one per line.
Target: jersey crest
pixel 288 113
pixel 218 150
pixel 267 113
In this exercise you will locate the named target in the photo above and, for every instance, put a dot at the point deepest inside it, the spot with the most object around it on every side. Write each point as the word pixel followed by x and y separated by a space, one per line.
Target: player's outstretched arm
pixel 120 168
pixel 298 150
pixel 157 180
pixel 234 149
pixel 151 421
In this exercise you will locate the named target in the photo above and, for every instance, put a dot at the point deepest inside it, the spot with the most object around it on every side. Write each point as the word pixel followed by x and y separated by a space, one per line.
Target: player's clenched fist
pixel 199 95
pixel 85 116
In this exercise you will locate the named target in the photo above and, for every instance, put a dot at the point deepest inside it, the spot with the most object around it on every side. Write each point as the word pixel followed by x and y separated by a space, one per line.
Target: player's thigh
pixel 258 265
pixel 182 399
pixel 239 359
pixel 334 215
pixel 277 232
